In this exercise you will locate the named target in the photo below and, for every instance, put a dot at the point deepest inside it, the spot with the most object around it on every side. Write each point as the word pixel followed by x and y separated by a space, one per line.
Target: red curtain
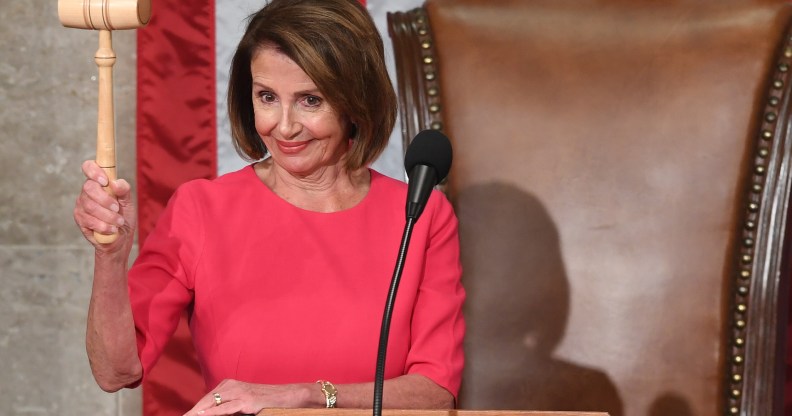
pixel 176 129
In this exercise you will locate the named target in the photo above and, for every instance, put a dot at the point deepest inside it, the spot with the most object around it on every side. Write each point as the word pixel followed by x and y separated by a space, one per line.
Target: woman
pixel 284 265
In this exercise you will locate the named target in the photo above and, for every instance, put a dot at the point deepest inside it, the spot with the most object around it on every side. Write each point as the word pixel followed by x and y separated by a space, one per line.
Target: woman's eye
pixel 267 97
pixel 312 101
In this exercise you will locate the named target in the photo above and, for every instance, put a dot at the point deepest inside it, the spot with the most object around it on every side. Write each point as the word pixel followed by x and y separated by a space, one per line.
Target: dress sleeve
pixel 438 327
pixel 161 281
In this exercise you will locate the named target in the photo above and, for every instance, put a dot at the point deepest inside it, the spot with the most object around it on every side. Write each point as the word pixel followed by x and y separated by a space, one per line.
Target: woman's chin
pixel 298 166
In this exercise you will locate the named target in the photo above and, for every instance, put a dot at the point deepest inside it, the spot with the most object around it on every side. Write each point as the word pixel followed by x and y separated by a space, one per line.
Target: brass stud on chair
pixel 742 290
pixel 745 274
pixel 746 258
pixel 778 84
pixel 788 52
pixel 767 134
pixel 753 207
pixel 738 359
pixel 736 377
pixel 771 117
pixel 773 101
pixel 759 169
pixel 739 342
pixel 420 23
pixel 763 152
pixel 783 67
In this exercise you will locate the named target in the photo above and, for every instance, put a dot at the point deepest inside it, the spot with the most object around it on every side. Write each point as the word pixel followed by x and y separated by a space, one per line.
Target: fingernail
pixel 114 207
pixel 113 230
pixel 102 181
pixel 121 222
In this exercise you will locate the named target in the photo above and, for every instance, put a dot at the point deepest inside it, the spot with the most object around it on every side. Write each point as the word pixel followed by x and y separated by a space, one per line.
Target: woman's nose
pixel 289 125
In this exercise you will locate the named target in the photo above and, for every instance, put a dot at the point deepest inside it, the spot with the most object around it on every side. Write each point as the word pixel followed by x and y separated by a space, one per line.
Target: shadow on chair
pixel 670 404
pixel 518 309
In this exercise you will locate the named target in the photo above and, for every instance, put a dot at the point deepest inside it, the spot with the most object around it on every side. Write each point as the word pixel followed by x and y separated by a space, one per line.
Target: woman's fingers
pixel 96 202
pixel 208 405
pixel 98 211
pixel 234 398
pixel 93 172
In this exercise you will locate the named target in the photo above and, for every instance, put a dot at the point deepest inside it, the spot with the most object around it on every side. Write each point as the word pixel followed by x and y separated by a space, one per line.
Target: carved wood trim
pixel 756 344
pixel 416 72
pixel 418 89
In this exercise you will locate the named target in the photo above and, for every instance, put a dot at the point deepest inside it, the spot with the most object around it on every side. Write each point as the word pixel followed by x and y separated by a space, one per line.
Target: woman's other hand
pixel 96 210
pixel 237 397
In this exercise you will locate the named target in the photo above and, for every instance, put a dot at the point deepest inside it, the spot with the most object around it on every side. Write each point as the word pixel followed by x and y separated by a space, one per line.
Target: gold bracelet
pixel 330 393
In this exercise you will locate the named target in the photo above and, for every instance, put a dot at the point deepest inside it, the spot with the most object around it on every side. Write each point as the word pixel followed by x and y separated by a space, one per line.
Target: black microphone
pixel 427 162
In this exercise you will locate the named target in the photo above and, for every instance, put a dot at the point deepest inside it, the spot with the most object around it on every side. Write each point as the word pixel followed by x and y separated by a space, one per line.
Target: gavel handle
pixel 105 135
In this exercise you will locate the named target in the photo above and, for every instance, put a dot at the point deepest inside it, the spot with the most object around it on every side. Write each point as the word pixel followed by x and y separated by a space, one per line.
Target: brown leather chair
pixel 622 177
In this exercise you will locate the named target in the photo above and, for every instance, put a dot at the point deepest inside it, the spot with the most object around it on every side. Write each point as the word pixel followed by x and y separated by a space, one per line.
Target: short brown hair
pixel 338 46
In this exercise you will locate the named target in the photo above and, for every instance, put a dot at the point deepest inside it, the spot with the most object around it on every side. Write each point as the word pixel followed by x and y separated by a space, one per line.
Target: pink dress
pixel 278 294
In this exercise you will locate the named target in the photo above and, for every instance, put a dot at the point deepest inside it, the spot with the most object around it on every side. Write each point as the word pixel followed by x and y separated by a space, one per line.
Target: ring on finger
pixel 218 400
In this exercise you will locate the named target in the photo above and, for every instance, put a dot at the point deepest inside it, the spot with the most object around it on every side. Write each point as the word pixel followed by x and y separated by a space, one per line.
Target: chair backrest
pixel 622 178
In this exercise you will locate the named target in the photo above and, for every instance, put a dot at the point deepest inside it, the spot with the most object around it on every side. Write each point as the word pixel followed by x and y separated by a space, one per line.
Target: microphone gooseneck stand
pixel 427 162
pixel 379 376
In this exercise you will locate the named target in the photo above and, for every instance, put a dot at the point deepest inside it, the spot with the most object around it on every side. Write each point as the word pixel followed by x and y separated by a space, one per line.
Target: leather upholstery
pixel 620 176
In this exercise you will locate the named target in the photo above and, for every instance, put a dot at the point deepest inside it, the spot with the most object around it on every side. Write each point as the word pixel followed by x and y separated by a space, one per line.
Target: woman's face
pixel 302 132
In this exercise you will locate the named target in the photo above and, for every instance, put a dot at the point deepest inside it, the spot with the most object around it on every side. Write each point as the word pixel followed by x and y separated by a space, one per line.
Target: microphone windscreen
pixel 430 148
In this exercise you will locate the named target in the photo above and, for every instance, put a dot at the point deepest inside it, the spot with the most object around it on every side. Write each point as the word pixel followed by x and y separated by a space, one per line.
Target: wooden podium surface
pixel 394 412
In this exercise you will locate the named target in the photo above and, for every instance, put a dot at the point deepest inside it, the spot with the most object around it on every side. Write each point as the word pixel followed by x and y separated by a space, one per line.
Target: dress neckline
pixel 374 177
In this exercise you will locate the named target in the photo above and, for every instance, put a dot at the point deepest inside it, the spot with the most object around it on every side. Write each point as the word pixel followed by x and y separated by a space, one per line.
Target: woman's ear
pixel 353 130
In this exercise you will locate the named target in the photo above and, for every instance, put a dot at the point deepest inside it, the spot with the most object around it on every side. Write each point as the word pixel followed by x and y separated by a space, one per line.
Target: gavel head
pixel 104 14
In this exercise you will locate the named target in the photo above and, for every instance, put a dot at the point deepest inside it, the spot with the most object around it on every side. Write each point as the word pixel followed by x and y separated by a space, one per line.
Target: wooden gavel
pixel 105 16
